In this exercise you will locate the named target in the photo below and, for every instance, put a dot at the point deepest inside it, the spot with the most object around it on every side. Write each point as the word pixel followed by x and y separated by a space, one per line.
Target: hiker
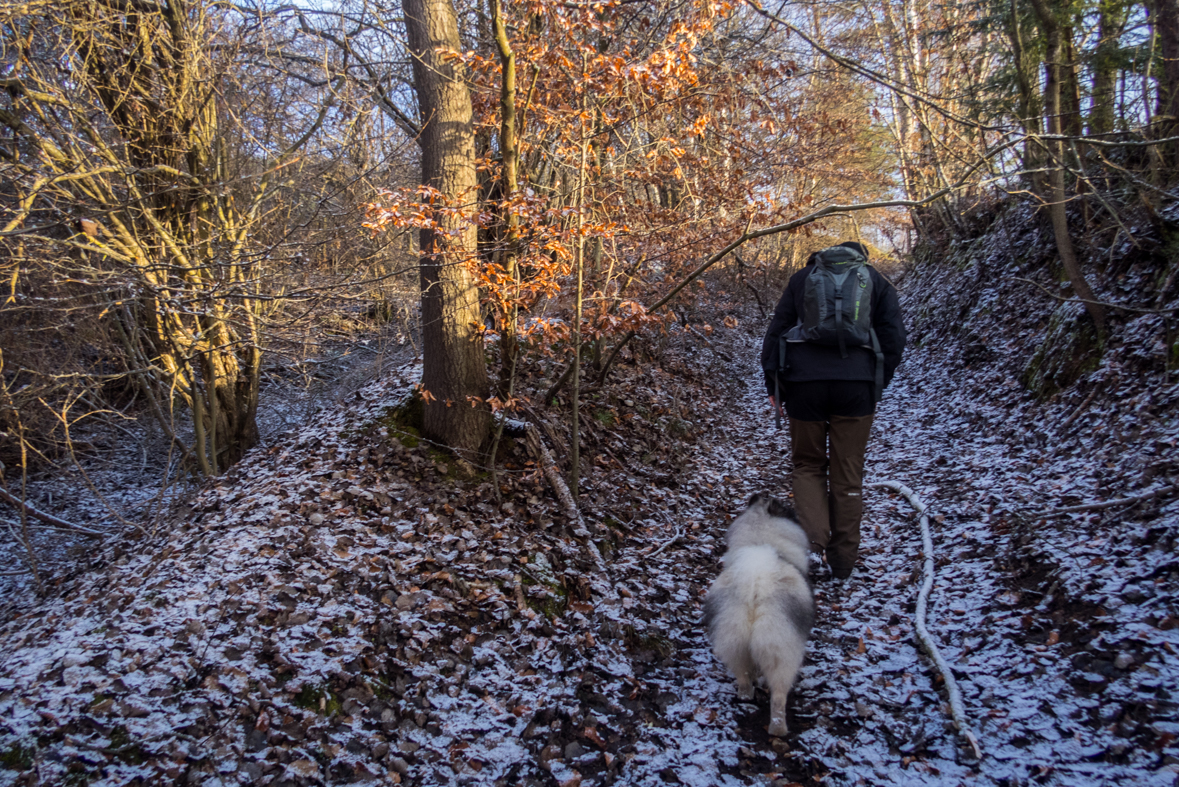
pixel 827 369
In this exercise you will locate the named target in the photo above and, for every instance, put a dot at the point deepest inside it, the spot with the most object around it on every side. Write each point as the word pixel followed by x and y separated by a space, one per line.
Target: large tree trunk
pixel 454 372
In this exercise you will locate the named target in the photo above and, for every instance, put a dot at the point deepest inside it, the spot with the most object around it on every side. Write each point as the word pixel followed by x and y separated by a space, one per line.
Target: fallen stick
pixel 957 710
pixel 1080 408
pixel 678 535
pixel 48 519
pixel 552 473
pixel 1124 501
pixel 548 466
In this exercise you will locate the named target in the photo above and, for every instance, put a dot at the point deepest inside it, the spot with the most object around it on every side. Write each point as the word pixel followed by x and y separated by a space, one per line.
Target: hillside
pixel 349 605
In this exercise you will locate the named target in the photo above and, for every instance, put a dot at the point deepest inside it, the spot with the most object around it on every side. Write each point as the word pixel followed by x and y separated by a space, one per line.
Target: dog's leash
pixel 957 710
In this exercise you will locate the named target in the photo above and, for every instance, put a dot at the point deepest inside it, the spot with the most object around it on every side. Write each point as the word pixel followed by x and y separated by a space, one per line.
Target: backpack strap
pixel 843 282
pixel 778 381
pixel 839 321
pixel 878 388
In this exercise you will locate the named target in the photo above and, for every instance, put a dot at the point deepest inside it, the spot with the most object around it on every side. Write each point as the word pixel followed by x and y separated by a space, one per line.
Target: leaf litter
pixel 348 606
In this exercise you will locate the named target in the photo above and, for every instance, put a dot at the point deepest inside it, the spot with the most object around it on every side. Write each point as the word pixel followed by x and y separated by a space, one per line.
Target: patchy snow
pixel 347 606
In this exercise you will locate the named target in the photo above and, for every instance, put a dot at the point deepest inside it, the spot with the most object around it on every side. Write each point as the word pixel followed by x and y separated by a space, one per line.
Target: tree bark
pixel 454 372
pixel 1055 194
pixel 1111 22
pixel 509 148
pixel 1164 20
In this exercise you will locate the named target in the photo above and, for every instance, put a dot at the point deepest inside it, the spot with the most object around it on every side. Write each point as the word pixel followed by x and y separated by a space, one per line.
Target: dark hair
pixel 861 248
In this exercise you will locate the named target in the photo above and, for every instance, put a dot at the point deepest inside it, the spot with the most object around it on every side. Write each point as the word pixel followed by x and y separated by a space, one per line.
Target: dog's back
pixel 760 610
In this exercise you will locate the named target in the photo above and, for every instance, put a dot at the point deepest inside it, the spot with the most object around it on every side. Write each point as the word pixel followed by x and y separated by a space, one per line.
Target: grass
pixel 17 758
pixel 605 417
pixel 318 699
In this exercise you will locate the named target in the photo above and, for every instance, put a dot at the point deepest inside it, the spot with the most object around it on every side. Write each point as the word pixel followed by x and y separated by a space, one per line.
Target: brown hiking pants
pixel 828 492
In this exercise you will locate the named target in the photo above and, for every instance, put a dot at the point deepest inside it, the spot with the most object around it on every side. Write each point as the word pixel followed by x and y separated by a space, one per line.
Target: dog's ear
pixel 757 498
pixel 781 510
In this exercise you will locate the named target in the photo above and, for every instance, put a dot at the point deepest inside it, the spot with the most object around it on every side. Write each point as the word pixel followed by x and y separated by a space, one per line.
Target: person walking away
pixel 833 345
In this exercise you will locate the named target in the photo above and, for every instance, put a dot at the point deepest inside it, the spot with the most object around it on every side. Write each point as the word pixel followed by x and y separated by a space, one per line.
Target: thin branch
pixel 679 534
pixel 1124 501
pixel 48 519
pixel 795 224
pixel 1121 307
pixel 957 710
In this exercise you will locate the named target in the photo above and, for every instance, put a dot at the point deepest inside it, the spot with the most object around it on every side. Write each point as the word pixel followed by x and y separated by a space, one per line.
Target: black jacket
pixel 809 362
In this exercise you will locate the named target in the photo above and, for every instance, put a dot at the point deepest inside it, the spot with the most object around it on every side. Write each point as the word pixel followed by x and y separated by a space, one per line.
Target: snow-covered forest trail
pixel 342 608
pixel 1057 694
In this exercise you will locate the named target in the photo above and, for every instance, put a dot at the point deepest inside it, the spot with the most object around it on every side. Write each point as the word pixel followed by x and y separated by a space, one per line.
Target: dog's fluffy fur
pixel 759 611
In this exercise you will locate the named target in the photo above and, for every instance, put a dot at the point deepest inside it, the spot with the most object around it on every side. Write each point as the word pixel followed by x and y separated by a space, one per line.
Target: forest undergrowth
pixel 351 605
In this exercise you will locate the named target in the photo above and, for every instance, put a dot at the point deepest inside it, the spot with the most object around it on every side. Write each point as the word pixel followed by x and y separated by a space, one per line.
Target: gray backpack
pixel 836 310
pixel 837 302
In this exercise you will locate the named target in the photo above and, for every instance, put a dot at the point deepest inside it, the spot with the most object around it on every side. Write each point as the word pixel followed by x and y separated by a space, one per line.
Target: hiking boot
pixel 841 573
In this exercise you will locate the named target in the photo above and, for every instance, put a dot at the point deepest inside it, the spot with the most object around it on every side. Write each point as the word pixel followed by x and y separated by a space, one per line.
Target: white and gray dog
pixel 759 611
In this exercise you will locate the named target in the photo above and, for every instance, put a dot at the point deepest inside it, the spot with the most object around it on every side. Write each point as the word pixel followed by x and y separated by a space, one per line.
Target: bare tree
pixel 126 178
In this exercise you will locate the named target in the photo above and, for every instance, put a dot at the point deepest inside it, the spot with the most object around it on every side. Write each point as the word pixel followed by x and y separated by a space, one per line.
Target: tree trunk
pixel 454 373
pixel 1164 20
pixel 1028 82
pixel 1110 24
pixel 1055 194
pixel 509 148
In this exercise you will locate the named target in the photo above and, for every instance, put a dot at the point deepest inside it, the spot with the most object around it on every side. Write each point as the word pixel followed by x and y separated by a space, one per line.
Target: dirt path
pixel 1056 693
pixel 342 610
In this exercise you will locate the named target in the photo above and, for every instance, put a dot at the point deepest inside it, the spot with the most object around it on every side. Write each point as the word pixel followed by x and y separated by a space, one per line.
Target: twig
pixel 678 535
pixel 548 466
pixel 1124 501
pixel 48 519
pixel 957 710
pixel 724 356
pixel 1107 304
pixel 1080 408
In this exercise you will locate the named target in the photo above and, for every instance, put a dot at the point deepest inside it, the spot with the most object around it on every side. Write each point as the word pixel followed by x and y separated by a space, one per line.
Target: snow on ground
pixel 349 606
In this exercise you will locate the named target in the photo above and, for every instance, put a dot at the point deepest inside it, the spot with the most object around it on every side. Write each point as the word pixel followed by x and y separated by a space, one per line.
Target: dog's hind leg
pixel 780 659
pixel 780 678
pixel 743 667
pixel 778 696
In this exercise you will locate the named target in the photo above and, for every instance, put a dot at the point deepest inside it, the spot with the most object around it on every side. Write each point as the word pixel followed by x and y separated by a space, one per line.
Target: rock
pixel 574 750
pixel 1124 661
pixel 316 519
pixel 399 765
